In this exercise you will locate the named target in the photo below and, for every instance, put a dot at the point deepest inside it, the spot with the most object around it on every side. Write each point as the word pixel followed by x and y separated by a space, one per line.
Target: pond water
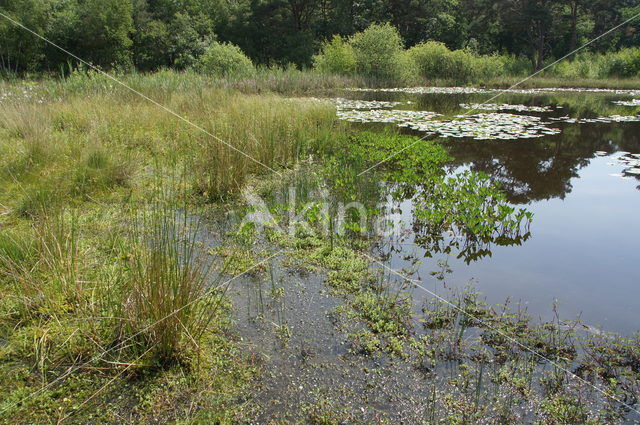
pixel 568 157
pixel 565 156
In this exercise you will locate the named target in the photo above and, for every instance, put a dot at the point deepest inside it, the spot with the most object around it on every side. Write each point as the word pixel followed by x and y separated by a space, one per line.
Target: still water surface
pixel 585 236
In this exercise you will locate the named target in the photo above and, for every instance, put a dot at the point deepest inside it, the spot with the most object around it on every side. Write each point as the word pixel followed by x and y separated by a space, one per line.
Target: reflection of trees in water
pixel 537 169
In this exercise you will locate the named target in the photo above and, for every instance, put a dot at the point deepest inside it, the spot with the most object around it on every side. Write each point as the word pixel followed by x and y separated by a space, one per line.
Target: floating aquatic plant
pixel 631 162
pixel 488 126
pixel 604 119
pixel 474 90
pixel 632 102
pixel 478 126
pixel 505 107
pixel 344 104
pixel 385 116
pixel 482 126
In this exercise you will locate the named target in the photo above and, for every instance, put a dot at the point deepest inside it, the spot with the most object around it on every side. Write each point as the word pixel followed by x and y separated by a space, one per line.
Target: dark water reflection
pixel 584 244
pixel 539 169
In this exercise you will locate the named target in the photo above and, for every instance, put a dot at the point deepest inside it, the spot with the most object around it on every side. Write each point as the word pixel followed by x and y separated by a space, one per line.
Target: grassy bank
pixel 111 311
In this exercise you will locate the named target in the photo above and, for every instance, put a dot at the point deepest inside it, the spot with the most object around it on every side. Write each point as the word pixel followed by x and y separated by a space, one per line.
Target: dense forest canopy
pixel 152 34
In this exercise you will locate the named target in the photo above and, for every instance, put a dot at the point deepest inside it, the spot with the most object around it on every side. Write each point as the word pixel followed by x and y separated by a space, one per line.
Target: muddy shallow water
pixel 583 250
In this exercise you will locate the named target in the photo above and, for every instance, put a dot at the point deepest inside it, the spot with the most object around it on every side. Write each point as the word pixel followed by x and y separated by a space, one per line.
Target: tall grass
pixel 100 137
pixel 169 298
pixel 163 84
pixel 270 130
pixel 89 146
pixel 42 264
pixel 161 294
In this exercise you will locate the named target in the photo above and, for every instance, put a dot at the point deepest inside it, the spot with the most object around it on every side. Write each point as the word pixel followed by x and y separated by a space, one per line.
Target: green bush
pixel 408 72
pixel 430 58
pixel 225 60
pixel 435 61
pixel 337 57
pixel 378 53
pixel 622 64
pixel 516 66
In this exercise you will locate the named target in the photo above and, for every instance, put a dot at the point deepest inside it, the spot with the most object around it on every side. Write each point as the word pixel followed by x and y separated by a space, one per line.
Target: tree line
pixel 153 34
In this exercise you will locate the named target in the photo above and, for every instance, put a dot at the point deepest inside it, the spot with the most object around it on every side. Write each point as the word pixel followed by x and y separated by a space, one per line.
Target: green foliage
pixel 472 203
pixel 103 33
pixel 337 57
pixel 160 33
pixel 225 60
pixel 151 45
pixel 19 50
pixel 419 157
pixel 430 59
pixel 622 64
pixel 436 62
pixel 377 52
pixel 383 312
pixel 469 204
pixel 189 40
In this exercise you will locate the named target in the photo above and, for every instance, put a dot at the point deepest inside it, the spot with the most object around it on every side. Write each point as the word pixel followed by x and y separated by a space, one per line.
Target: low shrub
pixel 378 53
pixel 435 61
pixel 430 58
pixel 336 57
pixel 622 64
pixel 225 60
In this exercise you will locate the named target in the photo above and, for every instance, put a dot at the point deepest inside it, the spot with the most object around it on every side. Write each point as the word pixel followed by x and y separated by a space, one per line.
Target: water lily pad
pixel 632 102
pixel 473 90
pixel 505 107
